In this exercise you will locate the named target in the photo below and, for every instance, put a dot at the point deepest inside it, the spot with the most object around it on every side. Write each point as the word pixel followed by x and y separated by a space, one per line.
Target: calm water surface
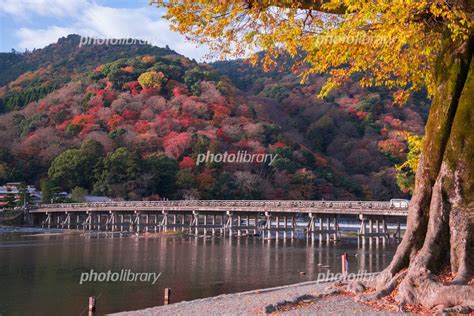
pixel 40 275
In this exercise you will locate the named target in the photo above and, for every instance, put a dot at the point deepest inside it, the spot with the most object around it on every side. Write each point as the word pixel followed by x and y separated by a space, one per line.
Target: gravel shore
pixel 266 301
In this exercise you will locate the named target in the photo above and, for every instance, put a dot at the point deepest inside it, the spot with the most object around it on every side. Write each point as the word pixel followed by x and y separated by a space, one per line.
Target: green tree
pixel 117 174
pixel 322 132
pixel 164 170
pixel 78 195
pixel 48 191
pixel 75 167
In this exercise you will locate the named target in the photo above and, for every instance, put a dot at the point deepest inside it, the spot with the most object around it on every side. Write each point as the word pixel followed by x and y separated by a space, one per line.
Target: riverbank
pixel 11 218
pixel 307 298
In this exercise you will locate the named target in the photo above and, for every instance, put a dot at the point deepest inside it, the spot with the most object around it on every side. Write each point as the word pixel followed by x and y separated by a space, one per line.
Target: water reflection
pixel 42 273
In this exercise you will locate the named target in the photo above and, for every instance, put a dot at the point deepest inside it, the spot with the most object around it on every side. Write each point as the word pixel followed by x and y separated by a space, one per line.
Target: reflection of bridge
pixel 229 217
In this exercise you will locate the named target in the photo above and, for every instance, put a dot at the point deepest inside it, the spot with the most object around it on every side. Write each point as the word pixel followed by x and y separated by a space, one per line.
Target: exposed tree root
pixel 422 288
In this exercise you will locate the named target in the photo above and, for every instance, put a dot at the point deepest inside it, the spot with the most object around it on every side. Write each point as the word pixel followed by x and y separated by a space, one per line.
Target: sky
pixel 28 24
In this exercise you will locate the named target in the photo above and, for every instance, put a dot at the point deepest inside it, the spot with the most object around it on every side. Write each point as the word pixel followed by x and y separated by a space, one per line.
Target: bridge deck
pixel 275 206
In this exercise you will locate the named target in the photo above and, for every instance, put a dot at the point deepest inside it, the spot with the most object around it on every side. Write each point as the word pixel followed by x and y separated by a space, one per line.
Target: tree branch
pixel 316 5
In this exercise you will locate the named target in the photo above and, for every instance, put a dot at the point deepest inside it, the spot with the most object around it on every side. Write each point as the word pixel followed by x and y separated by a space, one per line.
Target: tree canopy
pixel 392 43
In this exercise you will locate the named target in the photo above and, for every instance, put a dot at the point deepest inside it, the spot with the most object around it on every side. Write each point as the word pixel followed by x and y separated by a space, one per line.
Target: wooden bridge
pixel 321 219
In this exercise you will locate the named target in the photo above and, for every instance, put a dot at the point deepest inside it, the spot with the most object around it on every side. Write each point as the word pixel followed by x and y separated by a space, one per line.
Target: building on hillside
pixel 11 194
pixel 94 198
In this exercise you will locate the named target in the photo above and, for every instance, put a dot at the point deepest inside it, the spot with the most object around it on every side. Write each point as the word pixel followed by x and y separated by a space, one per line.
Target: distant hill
pixel 130 120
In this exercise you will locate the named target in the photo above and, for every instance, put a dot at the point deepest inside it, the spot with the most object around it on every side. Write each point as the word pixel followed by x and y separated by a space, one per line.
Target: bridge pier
pixel 230 223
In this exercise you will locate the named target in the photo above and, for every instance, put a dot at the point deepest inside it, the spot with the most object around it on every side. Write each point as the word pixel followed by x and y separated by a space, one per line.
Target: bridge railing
pixel 277 204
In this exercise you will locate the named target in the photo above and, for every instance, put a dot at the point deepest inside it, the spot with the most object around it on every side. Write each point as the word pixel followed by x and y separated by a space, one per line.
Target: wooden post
pixel 92 303
pixel 344 264
pixel 167 296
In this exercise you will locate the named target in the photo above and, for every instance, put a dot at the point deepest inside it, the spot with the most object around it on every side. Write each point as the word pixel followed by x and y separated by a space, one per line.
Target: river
pixel 40 274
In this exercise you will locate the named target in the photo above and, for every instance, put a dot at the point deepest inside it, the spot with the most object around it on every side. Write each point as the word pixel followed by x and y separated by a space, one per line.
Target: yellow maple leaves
pixel 151 79
pixel 389 42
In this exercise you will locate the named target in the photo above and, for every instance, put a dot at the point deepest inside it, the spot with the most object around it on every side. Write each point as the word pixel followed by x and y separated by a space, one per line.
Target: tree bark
pixel 440 224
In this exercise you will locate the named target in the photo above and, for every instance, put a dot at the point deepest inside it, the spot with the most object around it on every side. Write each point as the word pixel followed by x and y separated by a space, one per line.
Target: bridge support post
pixel 131 223
pixel 223 224
pixel 328 229
pixel 164 222
pixel 255 229
pixel 321 227
pixel 247 223
pixel 229 222
pixel 361 235
pixel 183 222
pixel 121 222
pixel 97 222
pixel 239 225
pixel 310 230
pixel 88 221
pixel 377 232
pixel 398 233
pixel 112 221
pixel 371 231
pixel 139 222
pixel 336 229
pixel 213 222
pixel 293 227
pixel 268 224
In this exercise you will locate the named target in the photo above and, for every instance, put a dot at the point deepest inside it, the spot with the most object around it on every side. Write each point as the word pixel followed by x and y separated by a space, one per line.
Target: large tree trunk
pixel 440 226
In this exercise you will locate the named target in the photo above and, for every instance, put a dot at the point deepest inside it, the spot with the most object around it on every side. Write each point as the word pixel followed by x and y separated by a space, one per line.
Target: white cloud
pixel 52 8
pixel 106 22
pixel 30 38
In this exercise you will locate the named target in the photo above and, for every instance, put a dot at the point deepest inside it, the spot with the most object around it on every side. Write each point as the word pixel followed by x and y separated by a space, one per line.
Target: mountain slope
pixel 130 122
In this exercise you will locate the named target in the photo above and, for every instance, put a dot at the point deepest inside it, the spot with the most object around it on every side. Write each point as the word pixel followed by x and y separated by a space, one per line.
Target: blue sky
pixel 28 24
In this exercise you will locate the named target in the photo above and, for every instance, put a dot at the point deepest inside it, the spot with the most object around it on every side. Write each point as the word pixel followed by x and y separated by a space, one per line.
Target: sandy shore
pixel 279 300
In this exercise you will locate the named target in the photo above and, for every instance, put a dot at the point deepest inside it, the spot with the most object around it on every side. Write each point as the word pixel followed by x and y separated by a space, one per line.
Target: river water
pixel 39 275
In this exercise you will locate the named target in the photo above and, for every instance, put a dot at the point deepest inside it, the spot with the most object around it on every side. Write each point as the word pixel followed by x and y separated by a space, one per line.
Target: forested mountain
pixel 129 121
